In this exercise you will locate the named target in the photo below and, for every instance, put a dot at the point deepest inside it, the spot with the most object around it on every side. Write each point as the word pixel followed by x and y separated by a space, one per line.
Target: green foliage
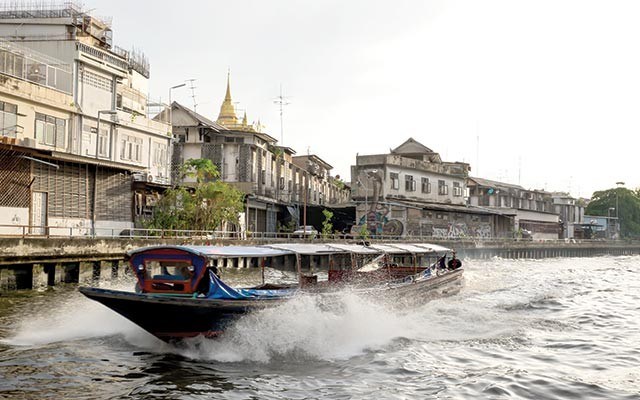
pixel 339 183
pixel 327 226
pixel 203 207
pixel 364 232
pixel 628 208
pixel 201 169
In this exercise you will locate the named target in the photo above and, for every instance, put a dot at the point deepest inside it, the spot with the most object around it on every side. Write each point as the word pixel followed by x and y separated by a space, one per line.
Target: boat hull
pixel 171 318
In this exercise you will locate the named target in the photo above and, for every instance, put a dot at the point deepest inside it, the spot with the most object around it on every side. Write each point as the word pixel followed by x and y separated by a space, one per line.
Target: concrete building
pixel 272 176
pixel 411 191
pixel 571 212
pixel 530 212
pixel 74 119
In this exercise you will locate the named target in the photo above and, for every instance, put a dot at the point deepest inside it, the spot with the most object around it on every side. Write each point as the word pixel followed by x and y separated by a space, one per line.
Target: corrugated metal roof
pixel 490 183
pixel 200 118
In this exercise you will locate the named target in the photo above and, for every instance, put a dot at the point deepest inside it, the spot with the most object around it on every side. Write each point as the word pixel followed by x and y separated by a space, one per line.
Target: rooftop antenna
pixel 281 101
pixel 519 168
pixel 477 150
pixel 193 94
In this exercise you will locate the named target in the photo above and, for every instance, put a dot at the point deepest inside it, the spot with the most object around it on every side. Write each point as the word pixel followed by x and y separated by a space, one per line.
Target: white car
pixel 303 231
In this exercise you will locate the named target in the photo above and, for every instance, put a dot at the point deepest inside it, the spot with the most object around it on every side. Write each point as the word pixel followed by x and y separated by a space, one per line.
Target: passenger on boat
pixel 203 285
pixel 454 263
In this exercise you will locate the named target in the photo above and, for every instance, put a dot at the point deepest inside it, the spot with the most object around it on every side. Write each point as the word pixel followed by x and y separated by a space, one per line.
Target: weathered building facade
pixel 74 127
pixel 273 178
pixel 571 212
pixel 411 191
pixel 530 212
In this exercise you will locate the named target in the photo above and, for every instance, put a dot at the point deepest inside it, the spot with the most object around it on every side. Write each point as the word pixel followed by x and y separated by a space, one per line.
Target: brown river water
pixel 566 328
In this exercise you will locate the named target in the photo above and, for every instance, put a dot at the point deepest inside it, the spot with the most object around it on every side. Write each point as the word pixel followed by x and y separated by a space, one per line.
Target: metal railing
pixel 31 231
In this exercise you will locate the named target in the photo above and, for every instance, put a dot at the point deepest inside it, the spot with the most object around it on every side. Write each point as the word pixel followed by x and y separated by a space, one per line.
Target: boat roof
pixel 281 249
pixel 305 248
pixel 220 251
pixel 354 248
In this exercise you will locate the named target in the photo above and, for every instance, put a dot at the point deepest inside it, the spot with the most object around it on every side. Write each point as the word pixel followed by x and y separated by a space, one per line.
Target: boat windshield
pixel 169 270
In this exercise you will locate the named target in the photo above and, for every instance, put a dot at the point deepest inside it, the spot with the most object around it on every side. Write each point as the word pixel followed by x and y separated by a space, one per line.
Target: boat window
pixel 169 270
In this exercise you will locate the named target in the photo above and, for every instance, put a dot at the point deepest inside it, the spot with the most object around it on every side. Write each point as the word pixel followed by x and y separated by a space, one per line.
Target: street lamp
pixel 609 220
pixel 108 112
pixel 619 184
pixel 368 175
pixel 170 105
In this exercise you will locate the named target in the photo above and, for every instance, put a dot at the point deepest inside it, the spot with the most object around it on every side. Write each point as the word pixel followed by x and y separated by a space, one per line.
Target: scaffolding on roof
pixel 45 9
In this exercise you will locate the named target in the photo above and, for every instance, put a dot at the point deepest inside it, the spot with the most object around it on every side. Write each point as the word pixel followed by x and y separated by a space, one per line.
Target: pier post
pixel 39 276
pixel 105 271
pixel 7 279
pixel 85 272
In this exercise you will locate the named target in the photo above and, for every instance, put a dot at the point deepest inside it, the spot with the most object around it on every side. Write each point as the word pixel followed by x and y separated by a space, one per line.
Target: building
pixel 571 212
pixel 531 213
pixel 272 176
pixel 75 131
pixel 411 191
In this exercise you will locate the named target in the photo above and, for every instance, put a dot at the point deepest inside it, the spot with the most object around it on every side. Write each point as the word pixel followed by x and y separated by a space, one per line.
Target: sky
pixel 545 94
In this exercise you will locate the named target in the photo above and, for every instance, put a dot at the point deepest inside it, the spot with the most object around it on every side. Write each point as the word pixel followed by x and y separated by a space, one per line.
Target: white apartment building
pixel 79 106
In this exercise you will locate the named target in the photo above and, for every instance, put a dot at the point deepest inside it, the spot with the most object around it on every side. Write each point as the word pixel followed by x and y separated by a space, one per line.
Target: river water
pixel 535 329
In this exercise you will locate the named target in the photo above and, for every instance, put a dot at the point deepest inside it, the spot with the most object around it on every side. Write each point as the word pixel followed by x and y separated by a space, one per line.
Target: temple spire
pixel 227 116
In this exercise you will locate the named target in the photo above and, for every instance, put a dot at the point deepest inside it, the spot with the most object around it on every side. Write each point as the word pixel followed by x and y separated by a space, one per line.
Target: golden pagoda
pixel 227 116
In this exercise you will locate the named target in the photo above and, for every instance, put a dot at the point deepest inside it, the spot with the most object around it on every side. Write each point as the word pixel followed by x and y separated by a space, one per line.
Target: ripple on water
pixel 569 330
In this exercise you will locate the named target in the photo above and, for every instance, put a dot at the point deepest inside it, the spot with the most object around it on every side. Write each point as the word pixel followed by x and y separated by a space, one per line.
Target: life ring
pixel 454 263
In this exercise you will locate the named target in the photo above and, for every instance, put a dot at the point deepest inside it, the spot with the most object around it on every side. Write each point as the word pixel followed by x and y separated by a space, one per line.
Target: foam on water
pixel 75 318
pixel 341 326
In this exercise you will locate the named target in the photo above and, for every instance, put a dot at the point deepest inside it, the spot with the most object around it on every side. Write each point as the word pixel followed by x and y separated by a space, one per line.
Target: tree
pixel 626 204
pixel 327 226
pixel 205 206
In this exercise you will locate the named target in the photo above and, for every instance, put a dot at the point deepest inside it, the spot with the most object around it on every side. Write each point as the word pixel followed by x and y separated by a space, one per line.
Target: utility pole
pixel 281 101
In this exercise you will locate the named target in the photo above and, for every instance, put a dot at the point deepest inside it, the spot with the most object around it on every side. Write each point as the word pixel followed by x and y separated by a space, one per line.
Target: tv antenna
pixel 193 93
pixel 281 101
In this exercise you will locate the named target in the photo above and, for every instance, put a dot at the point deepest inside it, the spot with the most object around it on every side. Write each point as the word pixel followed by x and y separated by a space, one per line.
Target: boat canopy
pixel 180 269
pixel 219 251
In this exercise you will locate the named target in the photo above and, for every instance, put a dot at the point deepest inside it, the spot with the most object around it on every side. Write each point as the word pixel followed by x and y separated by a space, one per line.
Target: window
pixel 281 183
pixel 130 148
pixel 395 180
pixel 263 176
pixel 159 154
pixel 103 144
pixel 8 119
pixel 443 188
pixel 50 130
pixel 426 185
pixel 457 189
pixel 409 183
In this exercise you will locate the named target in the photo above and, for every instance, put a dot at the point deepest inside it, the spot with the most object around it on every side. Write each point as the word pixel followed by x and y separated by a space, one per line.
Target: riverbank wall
pixel 34 263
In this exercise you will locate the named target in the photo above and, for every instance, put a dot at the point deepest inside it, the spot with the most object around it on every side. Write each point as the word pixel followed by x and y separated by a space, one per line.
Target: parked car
pixel 303 231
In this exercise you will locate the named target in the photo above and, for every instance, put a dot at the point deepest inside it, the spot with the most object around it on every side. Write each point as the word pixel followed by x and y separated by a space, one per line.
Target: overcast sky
pixel 541 93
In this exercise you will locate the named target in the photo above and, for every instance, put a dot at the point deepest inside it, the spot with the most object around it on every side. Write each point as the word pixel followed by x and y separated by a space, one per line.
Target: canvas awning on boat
pixel 354 248
pixel 305 248
pixel 221 251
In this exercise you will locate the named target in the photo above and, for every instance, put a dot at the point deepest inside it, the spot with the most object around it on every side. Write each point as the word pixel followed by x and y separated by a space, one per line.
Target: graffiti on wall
pixel 461 230
pixel 378 223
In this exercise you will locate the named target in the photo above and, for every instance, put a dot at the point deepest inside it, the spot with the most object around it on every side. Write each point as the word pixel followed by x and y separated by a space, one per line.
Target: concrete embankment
pixel 30 263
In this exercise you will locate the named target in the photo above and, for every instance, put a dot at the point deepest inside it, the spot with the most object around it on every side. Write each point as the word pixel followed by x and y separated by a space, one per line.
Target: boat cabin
pixel 185 270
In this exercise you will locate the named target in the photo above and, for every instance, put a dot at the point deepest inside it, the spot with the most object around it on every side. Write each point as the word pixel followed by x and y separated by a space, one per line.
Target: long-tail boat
pixel 179 291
